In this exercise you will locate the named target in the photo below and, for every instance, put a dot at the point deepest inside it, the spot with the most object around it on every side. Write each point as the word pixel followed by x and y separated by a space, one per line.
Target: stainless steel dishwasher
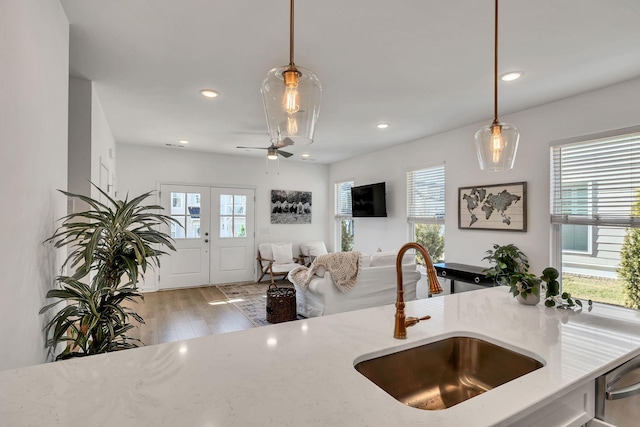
pixel 618 395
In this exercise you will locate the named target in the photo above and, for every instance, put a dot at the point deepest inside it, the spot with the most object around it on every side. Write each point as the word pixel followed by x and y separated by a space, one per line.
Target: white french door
pixel 233 238
pixel 189 264
pixel 215 242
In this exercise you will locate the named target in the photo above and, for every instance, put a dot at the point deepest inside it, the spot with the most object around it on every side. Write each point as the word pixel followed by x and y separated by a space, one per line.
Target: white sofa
pixel 310 250
pixel 376 286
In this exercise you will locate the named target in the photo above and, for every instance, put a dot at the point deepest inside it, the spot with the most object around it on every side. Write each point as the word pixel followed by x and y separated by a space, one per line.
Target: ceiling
pixel 423 66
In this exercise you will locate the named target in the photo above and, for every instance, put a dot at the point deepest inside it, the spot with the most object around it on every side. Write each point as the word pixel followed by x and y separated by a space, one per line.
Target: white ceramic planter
pixel 531 299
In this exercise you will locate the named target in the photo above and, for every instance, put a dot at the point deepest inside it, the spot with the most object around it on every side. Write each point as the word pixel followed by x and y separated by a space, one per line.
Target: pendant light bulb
pixel 291 98
pixel 497 143
pixel 272 154
pixel 292 125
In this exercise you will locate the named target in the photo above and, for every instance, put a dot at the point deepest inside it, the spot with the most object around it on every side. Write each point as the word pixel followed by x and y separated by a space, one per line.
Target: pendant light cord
pixel 291 34
pixel 495 68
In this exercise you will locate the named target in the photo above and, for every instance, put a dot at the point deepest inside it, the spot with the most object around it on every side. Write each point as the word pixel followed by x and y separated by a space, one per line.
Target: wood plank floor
pixel 180 314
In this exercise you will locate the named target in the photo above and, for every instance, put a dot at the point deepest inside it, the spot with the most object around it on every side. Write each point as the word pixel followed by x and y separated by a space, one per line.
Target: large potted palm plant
pixel 110 246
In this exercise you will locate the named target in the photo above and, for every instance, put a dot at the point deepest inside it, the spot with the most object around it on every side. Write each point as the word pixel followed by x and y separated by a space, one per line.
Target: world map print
pixel 493 207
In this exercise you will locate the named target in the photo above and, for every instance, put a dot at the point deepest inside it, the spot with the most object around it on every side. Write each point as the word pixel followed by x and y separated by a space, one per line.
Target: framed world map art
pixel 493 207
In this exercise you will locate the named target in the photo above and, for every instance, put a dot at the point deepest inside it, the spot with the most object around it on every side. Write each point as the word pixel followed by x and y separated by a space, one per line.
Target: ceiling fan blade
pixel 285 154
pixel 286 141
pixel 255 148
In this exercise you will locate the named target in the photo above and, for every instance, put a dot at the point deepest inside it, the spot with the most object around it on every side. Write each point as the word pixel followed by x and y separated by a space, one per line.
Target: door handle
pixel 623 392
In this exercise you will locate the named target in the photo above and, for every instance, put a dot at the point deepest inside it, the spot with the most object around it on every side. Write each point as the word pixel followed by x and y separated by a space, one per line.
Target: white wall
pixel 34 80
pixel 79 153
pixel 606 109
pixel 103 147
pixel 142 169
pixel 91 142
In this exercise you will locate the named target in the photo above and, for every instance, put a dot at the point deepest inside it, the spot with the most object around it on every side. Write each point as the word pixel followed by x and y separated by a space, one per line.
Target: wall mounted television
pixel 369 201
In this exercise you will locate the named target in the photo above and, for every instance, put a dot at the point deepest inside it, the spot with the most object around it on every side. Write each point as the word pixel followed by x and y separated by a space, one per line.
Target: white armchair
pixel 276 259
pixel 310 250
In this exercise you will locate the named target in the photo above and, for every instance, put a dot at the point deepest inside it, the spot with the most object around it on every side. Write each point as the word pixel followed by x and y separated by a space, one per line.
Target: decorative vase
pixel 530 299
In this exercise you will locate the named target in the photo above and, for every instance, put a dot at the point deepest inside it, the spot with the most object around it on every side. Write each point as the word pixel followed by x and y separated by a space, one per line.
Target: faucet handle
pixel 410 321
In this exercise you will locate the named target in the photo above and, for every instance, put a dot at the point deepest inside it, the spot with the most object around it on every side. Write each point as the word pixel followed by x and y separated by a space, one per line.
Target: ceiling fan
pixel 274 149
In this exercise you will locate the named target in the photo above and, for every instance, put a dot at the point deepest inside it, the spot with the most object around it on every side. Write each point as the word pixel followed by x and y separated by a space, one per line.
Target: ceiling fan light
pixel 496 146
pixel 272 154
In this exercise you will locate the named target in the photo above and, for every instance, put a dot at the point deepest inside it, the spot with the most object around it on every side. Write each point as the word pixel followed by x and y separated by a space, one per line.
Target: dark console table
pixel 463 273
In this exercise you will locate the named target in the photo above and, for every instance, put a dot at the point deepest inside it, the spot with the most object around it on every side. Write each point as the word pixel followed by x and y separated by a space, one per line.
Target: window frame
pixel 556 220
pixel 342 212
pixel 233 215
pixel 415 211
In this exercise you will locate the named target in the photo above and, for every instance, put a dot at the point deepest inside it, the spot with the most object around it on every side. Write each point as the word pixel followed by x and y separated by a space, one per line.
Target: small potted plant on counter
pixel 553 298
pixel 510 267
pixel 525 287
pixel 507 261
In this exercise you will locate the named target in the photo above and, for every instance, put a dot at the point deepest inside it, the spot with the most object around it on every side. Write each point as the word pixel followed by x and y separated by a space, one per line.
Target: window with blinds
pixel 425 195
pixel 343 199
pixel 596 182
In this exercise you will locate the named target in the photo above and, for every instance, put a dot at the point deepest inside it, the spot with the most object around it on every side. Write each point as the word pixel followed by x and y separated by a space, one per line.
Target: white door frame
pixel 189 266
pixel 159 184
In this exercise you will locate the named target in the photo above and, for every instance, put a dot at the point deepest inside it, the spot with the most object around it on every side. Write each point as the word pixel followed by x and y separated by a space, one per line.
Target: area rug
pixel 251 298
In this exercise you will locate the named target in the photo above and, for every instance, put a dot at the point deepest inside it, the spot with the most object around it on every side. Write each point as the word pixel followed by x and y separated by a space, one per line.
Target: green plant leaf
pixel 114 242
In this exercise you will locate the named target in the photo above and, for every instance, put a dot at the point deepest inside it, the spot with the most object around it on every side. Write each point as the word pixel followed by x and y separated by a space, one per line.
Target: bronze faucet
pixel 402 323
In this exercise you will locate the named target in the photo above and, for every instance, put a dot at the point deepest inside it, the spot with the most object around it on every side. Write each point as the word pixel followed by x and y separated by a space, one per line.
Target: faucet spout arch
pixel 401 323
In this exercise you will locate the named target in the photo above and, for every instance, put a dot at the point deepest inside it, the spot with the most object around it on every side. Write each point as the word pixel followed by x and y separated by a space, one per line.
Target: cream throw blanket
pixel 343 266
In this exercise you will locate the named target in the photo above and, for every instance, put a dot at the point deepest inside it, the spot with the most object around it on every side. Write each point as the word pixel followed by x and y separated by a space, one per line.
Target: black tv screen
pixel 369 201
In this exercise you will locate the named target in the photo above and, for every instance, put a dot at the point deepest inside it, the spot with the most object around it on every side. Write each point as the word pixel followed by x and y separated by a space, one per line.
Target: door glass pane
pixel 177 203
pixel 185 208
pixel 240 227
pixel 226 226
pixel 226 204
pixel 193 227
pixel 233 211
pixel 240 205
pixel 193 204
pixel 177 232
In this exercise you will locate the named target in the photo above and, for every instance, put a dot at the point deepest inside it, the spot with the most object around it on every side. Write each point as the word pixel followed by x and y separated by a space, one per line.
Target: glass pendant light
pixel 291 96
pixel 497 143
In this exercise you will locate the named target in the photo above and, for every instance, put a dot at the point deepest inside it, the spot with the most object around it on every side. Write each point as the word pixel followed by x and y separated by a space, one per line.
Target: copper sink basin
pixel 444 373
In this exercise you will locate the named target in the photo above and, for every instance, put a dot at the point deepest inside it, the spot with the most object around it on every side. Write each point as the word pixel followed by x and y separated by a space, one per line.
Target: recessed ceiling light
pixel 183 141
pixel 382 125
pixel 305 155
pixel 209 93
pixel 509 77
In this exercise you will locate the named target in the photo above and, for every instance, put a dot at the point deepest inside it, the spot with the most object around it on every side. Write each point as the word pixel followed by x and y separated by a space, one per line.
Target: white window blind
pixel 596 182
pixel 425 195
pixel 343 199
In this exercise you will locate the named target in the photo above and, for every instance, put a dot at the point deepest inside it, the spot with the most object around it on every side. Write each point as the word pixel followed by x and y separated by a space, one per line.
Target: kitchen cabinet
pixel 573 409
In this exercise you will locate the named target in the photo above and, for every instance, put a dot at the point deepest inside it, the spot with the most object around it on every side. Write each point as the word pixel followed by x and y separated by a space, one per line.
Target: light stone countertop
pixel 301 373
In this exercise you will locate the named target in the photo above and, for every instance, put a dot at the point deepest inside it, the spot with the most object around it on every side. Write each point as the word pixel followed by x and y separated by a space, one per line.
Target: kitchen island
pixel 302 373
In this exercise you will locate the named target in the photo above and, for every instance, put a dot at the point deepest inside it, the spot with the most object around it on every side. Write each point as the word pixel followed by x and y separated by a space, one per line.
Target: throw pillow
pixel 383 258
pixel 317 248
pixel 282 253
